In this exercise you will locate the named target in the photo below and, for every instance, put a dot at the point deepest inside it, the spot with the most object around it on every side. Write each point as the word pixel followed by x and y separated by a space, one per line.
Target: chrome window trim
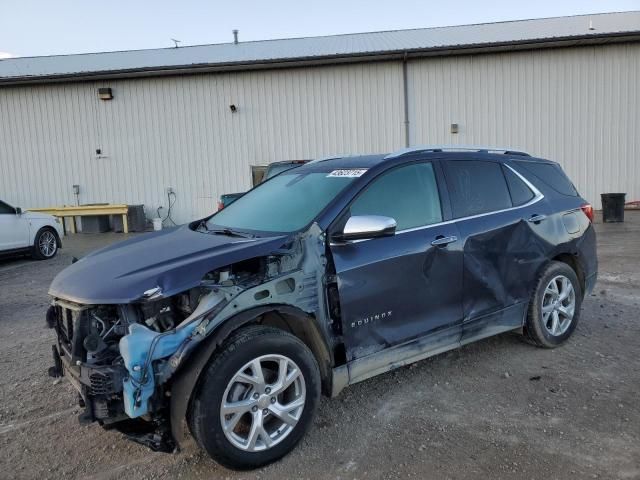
pixel 538 195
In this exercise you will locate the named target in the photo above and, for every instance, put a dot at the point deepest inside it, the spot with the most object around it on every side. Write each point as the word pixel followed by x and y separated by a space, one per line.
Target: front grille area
pixel 97 375
pixel 64 325
pixel 101 384
pixel 71 327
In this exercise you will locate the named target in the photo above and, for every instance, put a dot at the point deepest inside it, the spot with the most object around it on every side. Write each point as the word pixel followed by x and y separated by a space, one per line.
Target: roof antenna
pixel 176 42
pixel 235 36
pixel 591 27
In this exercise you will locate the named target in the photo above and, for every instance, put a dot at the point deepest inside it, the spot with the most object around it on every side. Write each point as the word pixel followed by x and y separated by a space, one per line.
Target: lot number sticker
pixel 348 173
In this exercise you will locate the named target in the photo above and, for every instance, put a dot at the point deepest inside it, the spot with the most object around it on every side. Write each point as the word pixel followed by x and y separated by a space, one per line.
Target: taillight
pixel 588 211
pixel 220 206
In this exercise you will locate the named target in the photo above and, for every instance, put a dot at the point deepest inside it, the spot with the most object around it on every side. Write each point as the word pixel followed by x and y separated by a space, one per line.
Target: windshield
pixel 285 203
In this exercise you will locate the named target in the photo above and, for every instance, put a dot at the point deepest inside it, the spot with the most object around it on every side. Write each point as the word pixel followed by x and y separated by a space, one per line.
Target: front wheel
pixel 554 309
pixel 45 245
pixel 256 399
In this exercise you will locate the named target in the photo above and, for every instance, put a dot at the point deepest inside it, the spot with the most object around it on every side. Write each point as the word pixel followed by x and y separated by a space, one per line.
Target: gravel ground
pixel 498 408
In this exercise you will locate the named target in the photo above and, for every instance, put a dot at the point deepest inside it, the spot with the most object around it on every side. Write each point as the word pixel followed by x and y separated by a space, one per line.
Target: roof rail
pixel 455 148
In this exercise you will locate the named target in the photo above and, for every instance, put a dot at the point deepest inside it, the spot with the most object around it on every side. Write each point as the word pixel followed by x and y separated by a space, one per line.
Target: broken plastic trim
pixel 141 346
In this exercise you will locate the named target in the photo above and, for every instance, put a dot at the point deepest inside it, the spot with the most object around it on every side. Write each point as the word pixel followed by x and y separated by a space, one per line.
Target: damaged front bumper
pixel 129 391
pixel 100 394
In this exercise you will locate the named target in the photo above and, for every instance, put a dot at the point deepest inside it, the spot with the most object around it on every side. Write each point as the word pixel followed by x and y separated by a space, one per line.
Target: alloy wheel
pixel 47 244
pixel 558 305
pixel 262 403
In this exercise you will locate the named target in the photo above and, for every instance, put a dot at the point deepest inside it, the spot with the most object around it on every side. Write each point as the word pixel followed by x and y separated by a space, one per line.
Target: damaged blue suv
pixel 321 277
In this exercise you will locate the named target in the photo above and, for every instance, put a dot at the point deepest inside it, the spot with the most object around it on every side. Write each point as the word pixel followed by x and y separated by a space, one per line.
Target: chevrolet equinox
pixel 320 277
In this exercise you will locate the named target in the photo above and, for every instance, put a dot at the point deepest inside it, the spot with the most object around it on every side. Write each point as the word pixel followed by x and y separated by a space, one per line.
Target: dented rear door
pixel 503 227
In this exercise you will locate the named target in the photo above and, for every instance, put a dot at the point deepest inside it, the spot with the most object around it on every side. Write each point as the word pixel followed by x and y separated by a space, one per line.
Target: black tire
pixel 242 347
pixel 535 330
pixel 39 252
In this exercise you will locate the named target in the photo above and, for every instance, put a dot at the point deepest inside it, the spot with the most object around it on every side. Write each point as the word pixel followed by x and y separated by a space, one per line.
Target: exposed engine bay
pixel 122 358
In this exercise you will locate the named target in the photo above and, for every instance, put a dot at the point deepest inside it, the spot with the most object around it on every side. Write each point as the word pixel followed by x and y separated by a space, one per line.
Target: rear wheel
pixel 554 309
pixel 45 245
pixel 256 399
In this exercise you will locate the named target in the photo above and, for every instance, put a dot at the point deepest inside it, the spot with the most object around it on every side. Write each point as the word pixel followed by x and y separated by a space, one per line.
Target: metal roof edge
pixel 348 34
pixel 297 62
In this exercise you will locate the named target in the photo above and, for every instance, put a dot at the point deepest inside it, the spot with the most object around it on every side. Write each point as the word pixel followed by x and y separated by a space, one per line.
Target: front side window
pixel 6 209
pixel 476 187
pixel 407 194
pixel 286 203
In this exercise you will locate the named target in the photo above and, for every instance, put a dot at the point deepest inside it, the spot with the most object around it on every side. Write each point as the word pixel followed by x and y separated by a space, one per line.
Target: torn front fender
pixel 187 375
pixel 142 346
pixel 138 349
pixel 298 292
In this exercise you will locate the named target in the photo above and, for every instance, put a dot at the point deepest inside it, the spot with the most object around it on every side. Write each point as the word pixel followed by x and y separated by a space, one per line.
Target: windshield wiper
pixel 202 226
pixel 229 232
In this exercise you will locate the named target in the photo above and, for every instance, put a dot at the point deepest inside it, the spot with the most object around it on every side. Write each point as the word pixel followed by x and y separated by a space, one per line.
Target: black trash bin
pixel 612 207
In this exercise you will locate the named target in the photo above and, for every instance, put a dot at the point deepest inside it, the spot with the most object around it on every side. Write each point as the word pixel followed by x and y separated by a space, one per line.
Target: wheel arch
pixel 573 261
pixel 40 228
pixel 288 318
pixel 534 326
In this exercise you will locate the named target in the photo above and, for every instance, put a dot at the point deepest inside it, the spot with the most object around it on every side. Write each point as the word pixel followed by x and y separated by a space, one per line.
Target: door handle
pixel 442 241
pixel 536 218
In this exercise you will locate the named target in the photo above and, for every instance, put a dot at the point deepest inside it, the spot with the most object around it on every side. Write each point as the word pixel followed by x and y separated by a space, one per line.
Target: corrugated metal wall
pixel 180 132
pixel 580 106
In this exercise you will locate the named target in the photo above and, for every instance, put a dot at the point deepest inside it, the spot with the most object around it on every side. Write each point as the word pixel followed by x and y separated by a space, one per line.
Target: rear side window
pixel 520 193
pixel 552 175
pixel 407 194
pixel 476 187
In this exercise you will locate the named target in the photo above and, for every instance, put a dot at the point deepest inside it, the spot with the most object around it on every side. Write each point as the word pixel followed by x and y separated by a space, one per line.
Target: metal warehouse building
pixel 197 119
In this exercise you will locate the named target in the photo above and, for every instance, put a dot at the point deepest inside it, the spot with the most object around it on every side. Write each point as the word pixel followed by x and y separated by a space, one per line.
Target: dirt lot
pixel 499 408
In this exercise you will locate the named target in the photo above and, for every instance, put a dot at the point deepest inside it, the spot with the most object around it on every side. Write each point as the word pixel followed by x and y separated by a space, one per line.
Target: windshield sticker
pixel 348 173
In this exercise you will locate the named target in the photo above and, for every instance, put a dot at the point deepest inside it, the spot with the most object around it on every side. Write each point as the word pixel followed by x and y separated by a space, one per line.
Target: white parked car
pixel 29 232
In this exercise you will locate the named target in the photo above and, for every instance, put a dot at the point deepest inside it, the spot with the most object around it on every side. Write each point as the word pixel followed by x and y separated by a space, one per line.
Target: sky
pixel 48 27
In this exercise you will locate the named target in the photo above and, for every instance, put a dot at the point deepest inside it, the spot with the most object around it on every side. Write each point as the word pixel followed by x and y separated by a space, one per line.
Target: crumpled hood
pixel 174 259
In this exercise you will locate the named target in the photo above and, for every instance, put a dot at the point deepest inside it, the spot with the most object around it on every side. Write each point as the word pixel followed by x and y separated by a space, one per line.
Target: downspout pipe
pixel 405 94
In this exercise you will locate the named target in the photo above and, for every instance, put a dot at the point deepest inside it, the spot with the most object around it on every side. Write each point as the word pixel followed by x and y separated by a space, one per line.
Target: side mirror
pixel 366 226
pixel 18 211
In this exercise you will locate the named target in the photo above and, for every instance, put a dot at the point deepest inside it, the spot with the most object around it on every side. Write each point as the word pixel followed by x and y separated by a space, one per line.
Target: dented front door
pixel 398 288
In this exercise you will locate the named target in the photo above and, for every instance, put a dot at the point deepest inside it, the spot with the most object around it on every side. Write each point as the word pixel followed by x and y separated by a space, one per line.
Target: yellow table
pixel 88 210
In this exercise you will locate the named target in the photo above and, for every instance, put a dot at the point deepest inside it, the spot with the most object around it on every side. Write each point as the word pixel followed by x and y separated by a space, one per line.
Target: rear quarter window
pixel 551 174
pixel 520 193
